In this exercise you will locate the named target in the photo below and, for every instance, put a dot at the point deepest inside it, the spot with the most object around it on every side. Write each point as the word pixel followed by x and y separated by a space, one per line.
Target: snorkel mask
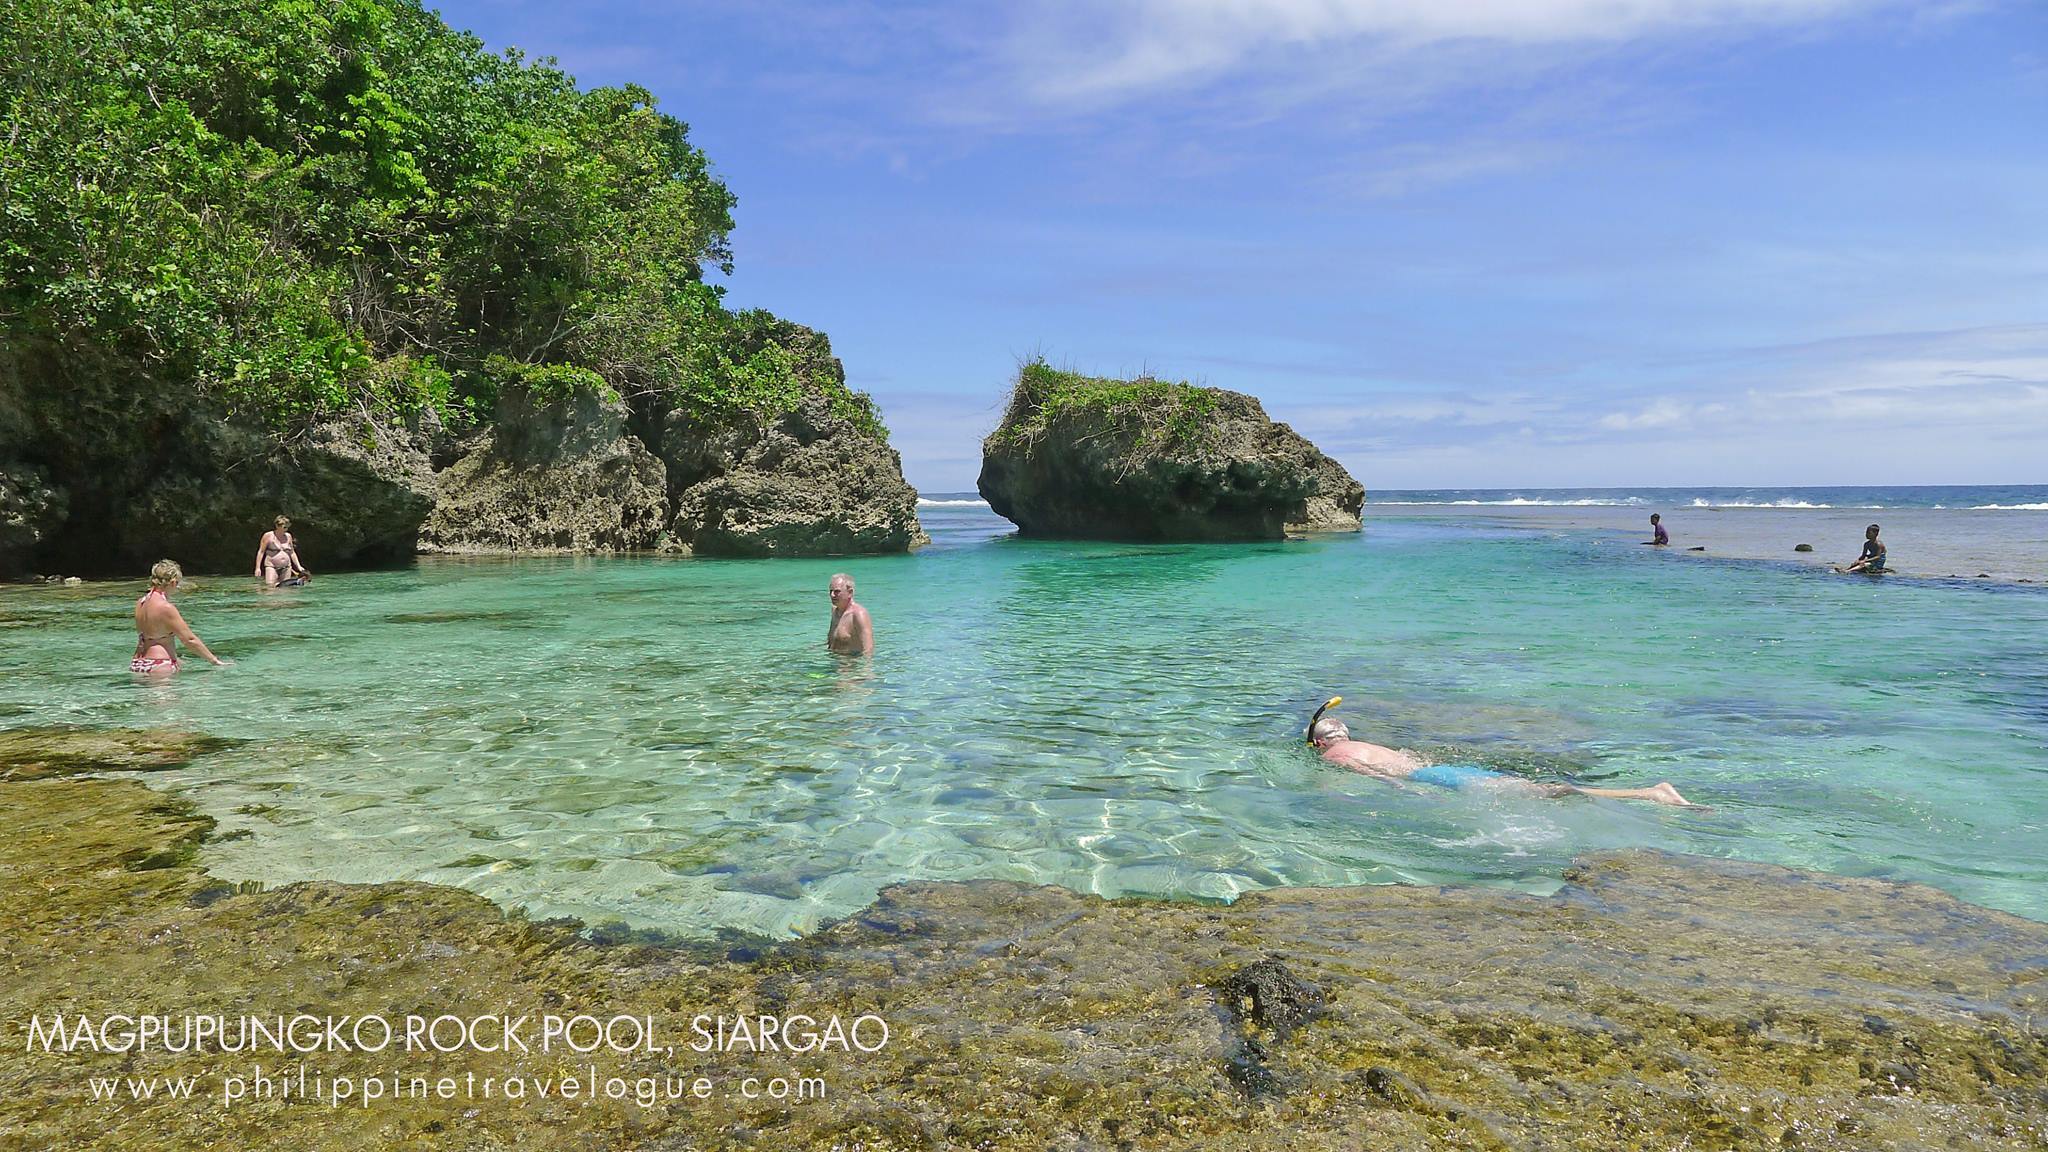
pixel 1332 702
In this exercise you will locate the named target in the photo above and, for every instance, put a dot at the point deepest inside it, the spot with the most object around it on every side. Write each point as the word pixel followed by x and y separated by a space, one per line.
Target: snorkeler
pixel 277 556
pixel 1872 559
pixel 1333 739
pixel 851 632
pixel 159 626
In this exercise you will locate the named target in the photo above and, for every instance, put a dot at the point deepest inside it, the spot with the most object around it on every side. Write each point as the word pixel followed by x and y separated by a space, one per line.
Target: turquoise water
pixel 665 742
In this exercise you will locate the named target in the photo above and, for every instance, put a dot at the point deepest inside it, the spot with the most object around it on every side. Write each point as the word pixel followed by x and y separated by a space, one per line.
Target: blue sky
pixel 1488 243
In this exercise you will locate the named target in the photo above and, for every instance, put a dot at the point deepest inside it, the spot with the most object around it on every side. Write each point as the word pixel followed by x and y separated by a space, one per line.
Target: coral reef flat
pixel 1655 1001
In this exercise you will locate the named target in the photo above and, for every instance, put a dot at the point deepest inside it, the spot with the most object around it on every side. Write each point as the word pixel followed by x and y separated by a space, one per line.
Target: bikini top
pixel 272 542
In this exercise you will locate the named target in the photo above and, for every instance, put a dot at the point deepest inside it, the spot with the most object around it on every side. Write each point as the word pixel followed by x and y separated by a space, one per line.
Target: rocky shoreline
pixel 1656 1001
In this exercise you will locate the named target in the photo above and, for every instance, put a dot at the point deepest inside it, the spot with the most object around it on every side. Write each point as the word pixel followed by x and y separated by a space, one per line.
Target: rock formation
pixel 356 491
pixel 1148 460
pixel 557 474
pixel 1335 505
pixel 818 479
pixel 101 488
pixel 808 484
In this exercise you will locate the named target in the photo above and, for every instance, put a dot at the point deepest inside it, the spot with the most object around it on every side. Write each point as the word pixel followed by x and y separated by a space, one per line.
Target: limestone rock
pixel 355 488
pixel 550 475
pixel 812 483
pixel 1335 506
pixel 1077 456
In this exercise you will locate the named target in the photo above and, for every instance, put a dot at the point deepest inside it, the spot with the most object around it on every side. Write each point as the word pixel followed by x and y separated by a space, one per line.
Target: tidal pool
pixel 665 742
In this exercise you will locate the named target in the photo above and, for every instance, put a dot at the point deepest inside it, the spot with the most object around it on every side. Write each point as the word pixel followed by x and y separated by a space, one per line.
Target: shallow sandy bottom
pixel 1655 1001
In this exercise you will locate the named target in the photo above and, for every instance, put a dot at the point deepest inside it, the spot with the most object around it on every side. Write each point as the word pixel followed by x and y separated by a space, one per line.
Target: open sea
pixel 665 742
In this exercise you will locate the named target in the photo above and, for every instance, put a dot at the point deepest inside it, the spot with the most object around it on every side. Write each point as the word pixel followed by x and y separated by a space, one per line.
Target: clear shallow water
pixel 665 742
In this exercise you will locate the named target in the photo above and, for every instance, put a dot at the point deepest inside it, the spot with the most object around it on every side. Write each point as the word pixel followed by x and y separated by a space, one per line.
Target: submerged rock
pixel 1802 547
pixel 1655 1002
pixel 560 474
pixel 36 753
pixel 1145 459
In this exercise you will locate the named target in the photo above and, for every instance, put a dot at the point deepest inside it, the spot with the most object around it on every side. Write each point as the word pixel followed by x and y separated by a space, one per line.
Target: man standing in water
pixel 851 633
pixel 1333 740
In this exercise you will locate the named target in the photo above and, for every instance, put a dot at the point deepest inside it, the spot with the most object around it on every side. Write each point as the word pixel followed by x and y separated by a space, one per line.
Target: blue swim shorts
pixel 1453 776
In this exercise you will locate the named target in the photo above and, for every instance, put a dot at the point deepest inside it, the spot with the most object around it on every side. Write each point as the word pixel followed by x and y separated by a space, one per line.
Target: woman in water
pixel 159 627
pixel 277 556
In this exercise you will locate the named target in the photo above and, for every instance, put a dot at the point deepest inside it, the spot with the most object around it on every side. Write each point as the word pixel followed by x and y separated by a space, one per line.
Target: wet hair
pixel 1870 531
pixel 1329 728
pixel 282 522
pixel 165 574
pixel 1655 517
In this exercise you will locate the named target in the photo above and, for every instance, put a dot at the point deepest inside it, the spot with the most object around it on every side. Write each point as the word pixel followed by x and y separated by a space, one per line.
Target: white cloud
pixel 1662 413
pixel 1085 51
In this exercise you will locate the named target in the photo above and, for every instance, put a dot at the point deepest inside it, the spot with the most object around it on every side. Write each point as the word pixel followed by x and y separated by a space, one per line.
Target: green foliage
pixel 756 363
pixel 543 382
pixel 1167 413
pixel 292 208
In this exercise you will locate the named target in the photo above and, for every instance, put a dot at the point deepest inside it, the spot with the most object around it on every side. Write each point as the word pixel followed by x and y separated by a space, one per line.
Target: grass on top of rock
pixel 1162 412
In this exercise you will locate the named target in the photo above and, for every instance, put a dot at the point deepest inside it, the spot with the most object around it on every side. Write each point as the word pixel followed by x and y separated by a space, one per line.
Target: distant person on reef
pixel 159 627
pixel 1333 740
pixel 1663 538
pixel 1872 559
pixel 851 633
pixel 277 556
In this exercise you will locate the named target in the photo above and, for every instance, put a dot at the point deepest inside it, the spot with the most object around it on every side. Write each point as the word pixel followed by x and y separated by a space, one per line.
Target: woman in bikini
pixel 159 628
pixel 277 555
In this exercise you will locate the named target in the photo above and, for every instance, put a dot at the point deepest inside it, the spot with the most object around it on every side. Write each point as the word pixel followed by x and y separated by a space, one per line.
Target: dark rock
pixel 1391 1086
pixel 1147 460
pixel 1802 547
pixel 551 475
pixel 1270 996
pixel 30 509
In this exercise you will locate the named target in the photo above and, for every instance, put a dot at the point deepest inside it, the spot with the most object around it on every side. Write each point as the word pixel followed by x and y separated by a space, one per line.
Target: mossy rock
pixel 1155 460
pixel 37 753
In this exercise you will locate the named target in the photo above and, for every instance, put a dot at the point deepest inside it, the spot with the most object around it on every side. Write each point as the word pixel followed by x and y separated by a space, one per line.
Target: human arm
pixel 262 547
pixel 190 639
pixel 867 633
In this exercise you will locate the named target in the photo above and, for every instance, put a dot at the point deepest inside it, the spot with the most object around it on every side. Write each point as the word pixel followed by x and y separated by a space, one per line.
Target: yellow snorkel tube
pixel 1332 702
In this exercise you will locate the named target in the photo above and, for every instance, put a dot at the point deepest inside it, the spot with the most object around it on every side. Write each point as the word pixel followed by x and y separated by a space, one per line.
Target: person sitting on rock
pixel 277 556
pixel 1333 739
pixel 159 627
pixel 851 632
pixel 1872 559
